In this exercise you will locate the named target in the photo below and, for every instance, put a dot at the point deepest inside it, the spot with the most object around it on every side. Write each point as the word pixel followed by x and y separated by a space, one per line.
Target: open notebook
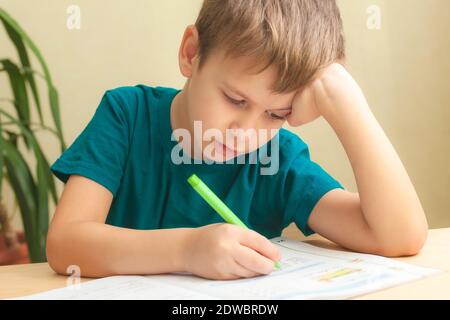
pixel 307 272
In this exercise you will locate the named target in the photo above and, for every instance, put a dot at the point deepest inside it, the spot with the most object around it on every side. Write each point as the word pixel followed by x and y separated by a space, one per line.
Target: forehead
pixel 240 69
pixel 242 73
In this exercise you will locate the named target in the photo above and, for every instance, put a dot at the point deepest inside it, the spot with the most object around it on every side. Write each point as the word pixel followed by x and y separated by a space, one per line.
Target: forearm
pixel 388 200
pixel 103 250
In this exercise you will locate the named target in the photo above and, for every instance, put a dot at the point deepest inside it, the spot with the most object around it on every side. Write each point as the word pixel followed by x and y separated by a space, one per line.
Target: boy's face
pixel 224 95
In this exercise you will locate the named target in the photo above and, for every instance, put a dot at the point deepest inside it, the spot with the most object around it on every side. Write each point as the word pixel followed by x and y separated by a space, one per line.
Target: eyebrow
pixel 236 91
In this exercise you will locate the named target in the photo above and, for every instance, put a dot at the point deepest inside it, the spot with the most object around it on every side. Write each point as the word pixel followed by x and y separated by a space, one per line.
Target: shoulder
pixel 132 97
pixel 127 96
pixel 292 148
pixel 128 103
pixel 290 139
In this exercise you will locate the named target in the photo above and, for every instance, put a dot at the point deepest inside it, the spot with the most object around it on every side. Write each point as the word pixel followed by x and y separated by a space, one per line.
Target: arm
pixel 79 236
pixel 386 216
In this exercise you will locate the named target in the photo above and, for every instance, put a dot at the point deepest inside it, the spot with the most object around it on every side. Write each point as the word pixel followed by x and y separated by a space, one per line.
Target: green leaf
pixel 34 213
pixel 12 136
pixel 24 59
pixel 38 151
pixel 44 166
pixel 51 182
pixel 42 202
pixel 1 159
pixel 39 155
pixel 23 185
pixel 19 89
pixel 31 194
pixel 53 96
pixel 54 104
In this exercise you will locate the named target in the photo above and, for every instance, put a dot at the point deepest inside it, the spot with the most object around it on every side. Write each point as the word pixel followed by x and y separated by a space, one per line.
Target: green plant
pixel 17 132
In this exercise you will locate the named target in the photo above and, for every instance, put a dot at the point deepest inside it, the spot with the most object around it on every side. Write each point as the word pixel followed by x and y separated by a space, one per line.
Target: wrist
pixel 349 108
pixel 184 249
pixel 339 95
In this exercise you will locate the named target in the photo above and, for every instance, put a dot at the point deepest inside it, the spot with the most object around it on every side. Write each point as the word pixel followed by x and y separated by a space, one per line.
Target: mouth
pixel 224 149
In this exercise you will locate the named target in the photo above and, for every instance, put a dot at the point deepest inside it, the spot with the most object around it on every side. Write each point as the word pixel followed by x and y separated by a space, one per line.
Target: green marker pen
pixel 221 208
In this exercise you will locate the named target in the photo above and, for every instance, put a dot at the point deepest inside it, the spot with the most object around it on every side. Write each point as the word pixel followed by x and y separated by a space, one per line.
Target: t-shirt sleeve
pixel 99 153
pixel 305 183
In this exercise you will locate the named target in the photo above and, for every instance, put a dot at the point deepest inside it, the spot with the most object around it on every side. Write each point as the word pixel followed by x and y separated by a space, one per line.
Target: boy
pixel 251 65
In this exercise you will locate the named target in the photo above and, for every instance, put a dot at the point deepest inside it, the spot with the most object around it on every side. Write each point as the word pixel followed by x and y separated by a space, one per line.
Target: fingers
pixel 303 108
pixel 259 243
pixel 234 271
pixel 253 261
pixel 244 272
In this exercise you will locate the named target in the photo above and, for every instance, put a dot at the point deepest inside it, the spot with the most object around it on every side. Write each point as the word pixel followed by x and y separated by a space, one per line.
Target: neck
pixel 179 119
pixel 177 111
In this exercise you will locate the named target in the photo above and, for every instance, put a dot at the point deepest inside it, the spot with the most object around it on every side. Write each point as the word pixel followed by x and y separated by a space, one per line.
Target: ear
pixel 188 53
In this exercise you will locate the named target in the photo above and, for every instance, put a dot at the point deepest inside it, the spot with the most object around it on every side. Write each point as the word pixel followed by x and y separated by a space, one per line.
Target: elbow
pixel 408 246
pixel 54 255
pixel 70 258
pixel 407 239
pixel 57 267
pixel 57 253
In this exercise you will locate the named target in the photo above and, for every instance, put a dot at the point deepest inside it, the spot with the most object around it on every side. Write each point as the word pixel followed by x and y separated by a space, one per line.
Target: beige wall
pixel 403 68
pixel 405 72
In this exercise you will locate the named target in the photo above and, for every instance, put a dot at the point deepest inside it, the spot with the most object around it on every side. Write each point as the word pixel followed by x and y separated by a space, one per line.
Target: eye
pixel 275 117
pixel 234 101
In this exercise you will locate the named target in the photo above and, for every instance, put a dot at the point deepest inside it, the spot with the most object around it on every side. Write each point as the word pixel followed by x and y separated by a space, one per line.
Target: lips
pixel 224 150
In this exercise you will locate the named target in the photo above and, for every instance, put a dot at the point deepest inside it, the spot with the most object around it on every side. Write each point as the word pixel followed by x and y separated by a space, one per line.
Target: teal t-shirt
pixel 127 147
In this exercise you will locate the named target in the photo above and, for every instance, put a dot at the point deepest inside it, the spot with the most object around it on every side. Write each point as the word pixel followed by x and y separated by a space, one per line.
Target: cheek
pixel 267 134
pixel 212 118
pixel 203 101
pixel 213 113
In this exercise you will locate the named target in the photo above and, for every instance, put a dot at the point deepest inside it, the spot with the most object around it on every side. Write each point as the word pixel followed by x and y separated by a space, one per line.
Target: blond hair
pixel 297 37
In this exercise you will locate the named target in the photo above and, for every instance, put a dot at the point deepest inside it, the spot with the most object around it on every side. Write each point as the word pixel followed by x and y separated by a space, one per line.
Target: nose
pixel 245 121
pixel 242 132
